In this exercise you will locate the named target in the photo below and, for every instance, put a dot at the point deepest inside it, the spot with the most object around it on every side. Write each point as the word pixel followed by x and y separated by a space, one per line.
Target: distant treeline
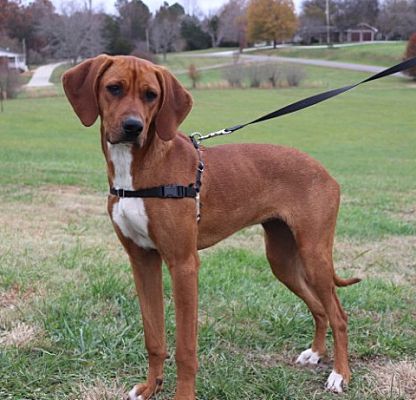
pixel 78 31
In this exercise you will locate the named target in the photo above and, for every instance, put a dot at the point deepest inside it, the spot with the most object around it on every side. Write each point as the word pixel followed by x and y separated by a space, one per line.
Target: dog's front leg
pixel 147 271
pixel 184 275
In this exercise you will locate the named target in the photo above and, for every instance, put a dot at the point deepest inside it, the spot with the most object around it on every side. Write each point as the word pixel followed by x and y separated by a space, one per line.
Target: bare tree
pixel 233 19
pixel 9 81
pixel 165 28
pixel 133 21
pixel 75 33
pixel 212 25
pixel 312 20
pixel 349 13
pixel 397 19
pixel 228 23
pixel 4 68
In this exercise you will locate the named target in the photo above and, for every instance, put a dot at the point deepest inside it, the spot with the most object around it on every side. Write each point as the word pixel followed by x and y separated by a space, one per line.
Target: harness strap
pixel 164 192
pixel 198 177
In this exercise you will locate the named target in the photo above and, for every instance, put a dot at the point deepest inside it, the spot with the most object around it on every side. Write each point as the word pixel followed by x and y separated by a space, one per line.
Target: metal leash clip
pixel 198 137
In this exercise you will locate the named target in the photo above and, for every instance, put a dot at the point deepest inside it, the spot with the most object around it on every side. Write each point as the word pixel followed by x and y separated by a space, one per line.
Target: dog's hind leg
pixel 286 264
pixel 315 249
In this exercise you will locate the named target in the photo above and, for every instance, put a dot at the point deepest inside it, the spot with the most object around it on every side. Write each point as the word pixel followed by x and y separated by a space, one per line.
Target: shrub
pixel 13 84
pixel 234 75
pixel 271 73
pixel 253 72
pixel 236 57
pixel 194 75
pixel 410 53
pixel 9 81
pixel 294 75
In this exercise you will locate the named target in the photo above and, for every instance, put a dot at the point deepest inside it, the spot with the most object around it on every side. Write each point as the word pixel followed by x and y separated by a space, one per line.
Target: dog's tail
pixel 345 282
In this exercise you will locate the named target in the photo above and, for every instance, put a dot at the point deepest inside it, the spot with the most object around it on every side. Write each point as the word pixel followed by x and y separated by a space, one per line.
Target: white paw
pixel 334 382
pixel 133 395
pixel 308 357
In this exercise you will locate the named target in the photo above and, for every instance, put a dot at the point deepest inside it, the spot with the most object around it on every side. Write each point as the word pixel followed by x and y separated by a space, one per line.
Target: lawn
pixel 69 320
pixel 178 62
pixel 384 54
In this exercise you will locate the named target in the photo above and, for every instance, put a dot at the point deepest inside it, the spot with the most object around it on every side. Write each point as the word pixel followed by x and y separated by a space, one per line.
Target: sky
pixel 191 6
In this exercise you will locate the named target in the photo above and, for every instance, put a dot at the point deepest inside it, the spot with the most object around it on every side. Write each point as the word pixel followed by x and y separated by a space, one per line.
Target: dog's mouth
pixel 114 142
pixel 125 139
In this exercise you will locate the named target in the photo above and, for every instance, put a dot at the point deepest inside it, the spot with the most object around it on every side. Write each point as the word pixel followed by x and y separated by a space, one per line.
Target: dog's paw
pixel 334 382
pixel 308 357
pixel 133 394
pixel 145 391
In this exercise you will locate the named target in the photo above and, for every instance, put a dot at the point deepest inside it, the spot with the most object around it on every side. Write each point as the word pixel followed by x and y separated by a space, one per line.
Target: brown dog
pixel 141 106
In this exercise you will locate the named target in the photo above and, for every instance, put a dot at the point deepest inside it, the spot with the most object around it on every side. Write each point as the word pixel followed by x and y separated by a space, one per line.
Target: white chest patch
pixel 129 214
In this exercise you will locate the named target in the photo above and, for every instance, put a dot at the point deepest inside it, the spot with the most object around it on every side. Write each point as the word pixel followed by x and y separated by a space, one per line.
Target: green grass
pixel 384 54
pixel 178 62
pixel 91 329
pixel 360 137
pixel 57 73
pixel 62 272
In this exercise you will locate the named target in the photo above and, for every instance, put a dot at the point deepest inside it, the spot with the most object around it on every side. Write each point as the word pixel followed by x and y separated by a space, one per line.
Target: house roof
pixel 363 27
pixel 6 53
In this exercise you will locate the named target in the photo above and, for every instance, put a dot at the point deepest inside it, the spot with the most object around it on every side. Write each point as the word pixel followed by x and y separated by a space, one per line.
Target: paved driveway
pixel 42 75
pixel 246 56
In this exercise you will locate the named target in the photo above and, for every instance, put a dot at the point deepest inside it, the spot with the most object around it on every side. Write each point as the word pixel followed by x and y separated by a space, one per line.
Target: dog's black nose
pixel 132 126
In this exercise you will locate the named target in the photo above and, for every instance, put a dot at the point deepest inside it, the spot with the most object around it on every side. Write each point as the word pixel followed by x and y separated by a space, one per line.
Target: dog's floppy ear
pixel 176 102
pixel 80 86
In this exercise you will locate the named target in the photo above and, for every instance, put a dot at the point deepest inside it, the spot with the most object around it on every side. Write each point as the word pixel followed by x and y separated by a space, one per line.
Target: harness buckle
pixel 120 192
pixel 173 191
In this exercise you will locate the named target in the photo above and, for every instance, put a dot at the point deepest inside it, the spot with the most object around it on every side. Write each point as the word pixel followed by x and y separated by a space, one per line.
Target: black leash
pixel 193 190
pixel 310 101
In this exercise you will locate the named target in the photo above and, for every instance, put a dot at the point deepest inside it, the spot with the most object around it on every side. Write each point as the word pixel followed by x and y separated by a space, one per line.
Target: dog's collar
pixel 163 192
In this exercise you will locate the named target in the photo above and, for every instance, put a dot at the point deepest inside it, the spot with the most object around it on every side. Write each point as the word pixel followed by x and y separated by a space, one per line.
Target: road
pixel 295 60
pixel 43 73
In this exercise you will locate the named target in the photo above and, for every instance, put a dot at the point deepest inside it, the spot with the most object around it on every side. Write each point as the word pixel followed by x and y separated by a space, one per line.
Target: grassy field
pixel 69 320
pixel 384 54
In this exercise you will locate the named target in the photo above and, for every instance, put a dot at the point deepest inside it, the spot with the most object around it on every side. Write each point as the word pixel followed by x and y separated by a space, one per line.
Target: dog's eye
pixel 115 90
pixel 150 95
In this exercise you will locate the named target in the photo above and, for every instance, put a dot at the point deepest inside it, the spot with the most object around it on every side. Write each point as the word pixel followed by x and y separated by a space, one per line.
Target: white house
pixel 16 60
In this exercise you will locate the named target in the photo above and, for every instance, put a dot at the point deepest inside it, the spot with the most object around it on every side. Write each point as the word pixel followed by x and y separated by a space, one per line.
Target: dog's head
pixel 131 96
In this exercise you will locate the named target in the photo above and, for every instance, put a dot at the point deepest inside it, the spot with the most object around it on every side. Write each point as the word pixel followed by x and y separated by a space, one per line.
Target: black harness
pixel 163 192
pixel 192 191
pixel 172 191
